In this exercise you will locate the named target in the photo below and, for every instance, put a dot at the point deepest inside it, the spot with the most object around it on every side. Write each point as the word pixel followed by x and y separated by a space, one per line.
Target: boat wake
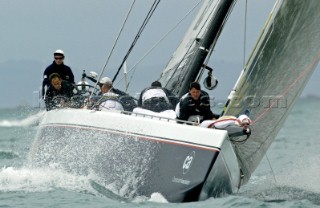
pixel 43 180
pixel 105 191
pixel 32 120
pixel 110 193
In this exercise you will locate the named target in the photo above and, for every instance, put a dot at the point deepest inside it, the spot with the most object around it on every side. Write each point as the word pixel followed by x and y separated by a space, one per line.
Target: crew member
pixel 195 104
pixel 114 97
pixel 156 98
pixel 59 92
pixel 59 67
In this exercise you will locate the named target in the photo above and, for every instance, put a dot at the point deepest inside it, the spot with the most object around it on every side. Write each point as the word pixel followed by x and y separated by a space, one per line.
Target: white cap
pixel 59 52
pixel 106 80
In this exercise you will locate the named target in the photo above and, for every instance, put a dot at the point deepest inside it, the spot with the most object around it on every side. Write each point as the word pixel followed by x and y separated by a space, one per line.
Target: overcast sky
pixel 31 30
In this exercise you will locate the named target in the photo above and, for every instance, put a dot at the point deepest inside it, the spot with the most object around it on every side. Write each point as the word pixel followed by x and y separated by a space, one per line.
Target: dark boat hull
pixel 137 164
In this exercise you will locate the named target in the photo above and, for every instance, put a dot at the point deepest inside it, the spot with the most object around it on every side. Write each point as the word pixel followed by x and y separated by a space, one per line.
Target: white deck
pixel 134 124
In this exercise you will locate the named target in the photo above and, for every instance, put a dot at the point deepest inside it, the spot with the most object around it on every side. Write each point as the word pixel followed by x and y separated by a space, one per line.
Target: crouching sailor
pixel 154 100
pixel 106 86
pixel 59 93
pixel 109 99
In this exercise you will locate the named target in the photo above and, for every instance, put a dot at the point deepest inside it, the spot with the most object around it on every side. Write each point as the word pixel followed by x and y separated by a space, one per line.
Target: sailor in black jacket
pixel 59 93
pixel 195 103
pixel 59 67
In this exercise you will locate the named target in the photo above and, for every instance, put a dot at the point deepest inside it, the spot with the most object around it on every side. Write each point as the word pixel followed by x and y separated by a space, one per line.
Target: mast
pixel 186 62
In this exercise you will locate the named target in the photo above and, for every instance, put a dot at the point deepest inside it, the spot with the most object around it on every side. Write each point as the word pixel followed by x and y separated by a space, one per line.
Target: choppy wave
pixel 40 180
pixel 295 182
pixel 287 193
pixel 111 193
pixel 7 155
pixel 32 120
pixel 47 179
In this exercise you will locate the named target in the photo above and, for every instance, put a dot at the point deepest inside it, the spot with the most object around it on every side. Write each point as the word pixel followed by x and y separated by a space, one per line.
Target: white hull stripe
pixel 140 136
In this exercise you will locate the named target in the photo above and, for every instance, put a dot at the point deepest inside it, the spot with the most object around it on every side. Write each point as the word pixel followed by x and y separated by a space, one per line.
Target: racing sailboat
pixel 138 155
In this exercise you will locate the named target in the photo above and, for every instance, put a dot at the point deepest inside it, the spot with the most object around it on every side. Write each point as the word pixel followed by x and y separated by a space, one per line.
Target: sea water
pixel 288 176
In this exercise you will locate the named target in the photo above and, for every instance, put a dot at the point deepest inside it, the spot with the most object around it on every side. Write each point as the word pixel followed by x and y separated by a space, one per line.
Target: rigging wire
pixel 273 174
pixel 157 43
pixel 114 44
pixel 146 20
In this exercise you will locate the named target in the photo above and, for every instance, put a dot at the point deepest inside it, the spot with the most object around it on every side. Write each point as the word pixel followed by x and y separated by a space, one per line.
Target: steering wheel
pixel 85 90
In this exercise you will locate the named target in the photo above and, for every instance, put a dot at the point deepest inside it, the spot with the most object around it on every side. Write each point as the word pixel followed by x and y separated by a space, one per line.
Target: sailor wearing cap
pixel 106 85
pixel 114 99
pixel 58 67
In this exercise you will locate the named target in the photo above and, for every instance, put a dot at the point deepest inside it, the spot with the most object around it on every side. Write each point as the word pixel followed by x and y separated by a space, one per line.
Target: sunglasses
pixel 58 58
